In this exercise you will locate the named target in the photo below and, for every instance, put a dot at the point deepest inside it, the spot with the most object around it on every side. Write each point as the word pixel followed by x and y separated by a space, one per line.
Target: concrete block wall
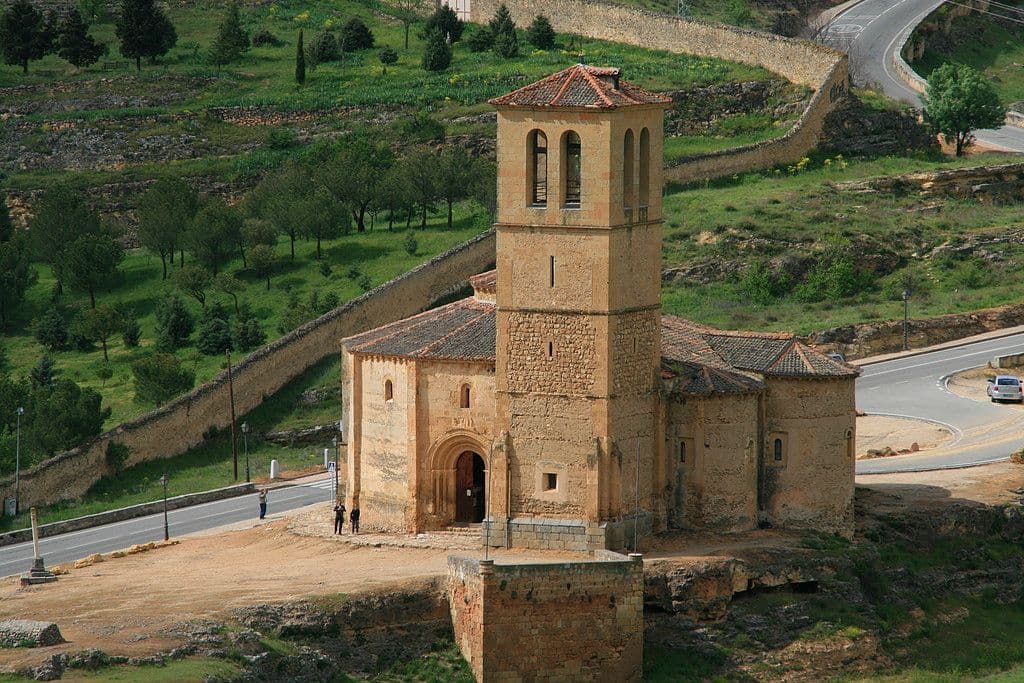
pixel 566 621
pixel 179 425
pixel 803 62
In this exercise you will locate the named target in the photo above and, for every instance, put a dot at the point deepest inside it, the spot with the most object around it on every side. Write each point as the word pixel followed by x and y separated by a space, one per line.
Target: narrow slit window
pixel 645 168
pixel 551 271
pixel 573 169
pixel 464 396
pixel 627 171
pixel 777 449
pixel 389 391
pixel 551 349
pixel 682 451
pixel 550 481
pixel 538 168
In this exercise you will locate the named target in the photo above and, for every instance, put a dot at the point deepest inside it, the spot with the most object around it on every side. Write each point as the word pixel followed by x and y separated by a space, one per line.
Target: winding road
pixel 915 386
pixel 872 33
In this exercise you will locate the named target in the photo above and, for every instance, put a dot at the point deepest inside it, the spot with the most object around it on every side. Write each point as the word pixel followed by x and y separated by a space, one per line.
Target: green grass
pixel 986 45
pixel 193 670
pixel 771 215
pixel 714 10
pixel 210 466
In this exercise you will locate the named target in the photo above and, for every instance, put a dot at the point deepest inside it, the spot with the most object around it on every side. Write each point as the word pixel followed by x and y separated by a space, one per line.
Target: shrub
pixel 281 137
pixel 420 128
pixel 410 243
pixel 104 374
pixel 761 286
pixel 480 39
pixel 51 330
pixel 131 332
pixel 355 35
pixel 249 334
pixel 214 333
pixel 325 268
pixel 506 44
pixel 540 34
pixel 447 22
pixel 834 278
pixel 331 301
pixel 437 54
pixel 160 377
pixel 42 373
pixel 324 48
pixel 265 37
pixel 738 13
pixel 174 323
pixel 117 456
pixel 387 56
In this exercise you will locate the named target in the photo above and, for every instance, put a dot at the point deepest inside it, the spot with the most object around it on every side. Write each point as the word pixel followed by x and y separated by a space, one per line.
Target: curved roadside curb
pixel 966 341
pixel 956 433
pixel 126 513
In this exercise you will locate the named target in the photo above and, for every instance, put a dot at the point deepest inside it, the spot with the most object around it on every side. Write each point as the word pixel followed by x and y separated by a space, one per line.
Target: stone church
pixel 558 401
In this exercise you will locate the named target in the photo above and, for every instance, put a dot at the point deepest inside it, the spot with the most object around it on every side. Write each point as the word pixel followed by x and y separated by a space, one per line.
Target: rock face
pixel 1002 183
pixel 854 129
pixel 26 632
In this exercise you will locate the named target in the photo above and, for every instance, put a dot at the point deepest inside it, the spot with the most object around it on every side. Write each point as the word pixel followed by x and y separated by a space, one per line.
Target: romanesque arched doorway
pixel 470 503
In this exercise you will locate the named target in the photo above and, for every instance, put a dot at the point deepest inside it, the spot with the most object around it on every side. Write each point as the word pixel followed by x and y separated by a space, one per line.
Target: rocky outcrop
pixel 28 633
pixel 1002 183
pixel 697 110
pixel 852 129
pixel 304 435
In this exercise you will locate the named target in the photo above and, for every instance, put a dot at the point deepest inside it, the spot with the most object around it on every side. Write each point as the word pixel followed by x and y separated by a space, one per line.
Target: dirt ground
pixel 877 432
pixel 123 606
pixel 973 384
pixel 993 484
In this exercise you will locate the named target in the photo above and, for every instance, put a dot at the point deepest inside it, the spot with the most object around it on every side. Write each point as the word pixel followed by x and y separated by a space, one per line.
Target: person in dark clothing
pixel 339 518
pixel 354 518
pixel 263 503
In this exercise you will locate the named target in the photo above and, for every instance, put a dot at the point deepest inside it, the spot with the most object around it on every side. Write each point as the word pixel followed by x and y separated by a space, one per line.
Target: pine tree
pixel 144 31
pixel 40 376
pixel 232 39
pixel 76 45
pixel 300 61
pixel 506 42
pixel 437 54
pixel 445 20
pixel 25 34
pixel 540 34
pixel 501 22
pixel 355 35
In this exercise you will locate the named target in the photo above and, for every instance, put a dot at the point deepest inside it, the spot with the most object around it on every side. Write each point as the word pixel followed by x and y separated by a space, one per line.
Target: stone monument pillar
pixel 38 573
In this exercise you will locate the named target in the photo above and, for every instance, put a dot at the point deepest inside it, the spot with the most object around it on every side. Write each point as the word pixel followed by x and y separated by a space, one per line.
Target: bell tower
pixel 578 308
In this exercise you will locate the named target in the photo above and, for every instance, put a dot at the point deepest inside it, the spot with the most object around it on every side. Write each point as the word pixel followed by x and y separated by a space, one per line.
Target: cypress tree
pixel 77 46
pixel 144 31
pixel 24 34
pixel 300 61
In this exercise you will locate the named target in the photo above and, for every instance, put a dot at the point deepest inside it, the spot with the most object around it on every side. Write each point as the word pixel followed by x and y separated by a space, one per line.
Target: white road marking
pixel 941 360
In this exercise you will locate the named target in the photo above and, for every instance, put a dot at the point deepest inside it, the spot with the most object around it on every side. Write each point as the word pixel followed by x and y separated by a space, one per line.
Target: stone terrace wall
pixel 567 621
pixel 174 428
pixel 806 63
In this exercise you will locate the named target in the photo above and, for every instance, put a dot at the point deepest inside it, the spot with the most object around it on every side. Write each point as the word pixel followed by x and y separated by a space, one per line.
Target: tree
pixel 90 262
pixel 480 39
pixel 51 330
pixel 447 22
pixel 323 217
pixel 6 226
pixel 407 11
pixel 25 34
pixel 165 212
pixel 160 377
pixel 215 233
pixel 437 54
pixel 261 261
pixel 387 56
pixel 213 336
pixel 63 415
pixel 174 323
pixel 410 243
pixel 300 61
pixel 394 195
pixel 41 375
pixel 352 171
pixel 420 175
pixel 456 171
pixel 324 48
pixel 249 334
pixel 131 331
pixel 16 275
pixel 232 39
pixel 60 216
pixel 501 21
pixel 76 45
pixel 275 197
pixel 355 35
pixel 506 41
pixel 226 283
pixel 144 31
pixel 193 280
pixel 100 324
pixel 540 34
pixel 959 101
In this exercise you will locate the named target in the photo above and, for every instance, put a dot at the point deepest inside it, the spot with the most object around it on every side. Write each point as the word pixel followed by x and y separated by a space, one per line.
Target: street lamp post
pixel 245 441
pixel 336 459
pixel 906 298
pixel 163 480
pixel 17 462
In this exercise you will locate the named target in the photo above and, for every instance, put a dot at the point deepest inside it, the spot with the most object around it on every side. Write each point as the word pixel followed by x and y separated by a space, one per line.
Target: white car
pixel 1005 388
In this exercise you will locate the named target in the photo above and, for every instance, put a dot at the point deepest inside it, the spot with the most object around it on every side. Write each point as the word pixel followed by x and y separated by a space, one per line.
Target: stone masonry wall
pixel 571 621
pixel 174 428
pixel 802 62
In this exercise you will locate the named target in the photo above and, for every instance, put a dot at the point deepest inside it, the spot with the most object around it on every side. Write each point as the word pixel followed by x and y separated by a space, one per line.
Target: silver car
pixel 1005 388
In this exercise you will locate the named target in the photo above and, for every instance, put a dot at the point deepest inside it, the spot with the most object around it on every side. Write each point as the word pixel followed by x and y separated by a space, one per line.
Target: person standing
pixel 354 518
pixel 339 518
pixel 263 503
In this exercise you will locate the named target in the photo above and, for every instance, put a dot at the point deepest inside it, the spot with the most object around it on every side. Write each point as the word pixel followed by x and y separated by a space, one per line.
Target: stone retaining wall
pixel 802 62
pixel 174 428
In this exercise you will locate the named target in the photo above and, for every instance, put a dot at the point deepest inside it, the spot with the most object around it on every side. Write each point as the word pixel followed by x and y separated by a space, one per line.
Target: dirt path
pixel 124 605
pixel 877 432
pixel 993 484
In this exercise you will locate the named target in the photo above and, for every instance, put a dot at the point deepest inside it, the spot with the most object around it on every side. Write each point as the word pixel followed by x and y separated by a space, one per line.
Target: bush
pixel 540 34
pixel 447 22
pixel 42 373
pixel 437 54
pixel 214 333
pixel 420 128
pixel 131 332
pixel 761 286
pixel 52 330
pixel 324 48
pixel 117 456
pixel 506 44
pixel 249 334
pixel 281 137
pixel 355 35
pixel 387 56
pixel 265 37
pixel 410 243
pixel 480 40
pixel 160 377
pixel 174 323
pixel 835 278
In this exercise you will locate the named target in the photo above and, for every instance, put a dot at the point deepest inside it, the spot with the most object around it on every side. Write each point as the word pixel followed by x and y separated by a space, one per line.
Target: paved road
pixel 15 559
pixel 872 31
pixel 915 387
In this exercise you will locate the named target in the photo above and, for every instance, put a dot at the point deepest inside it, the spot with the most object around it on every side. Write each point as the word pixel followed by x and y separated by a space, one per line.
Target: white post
pixel 35 534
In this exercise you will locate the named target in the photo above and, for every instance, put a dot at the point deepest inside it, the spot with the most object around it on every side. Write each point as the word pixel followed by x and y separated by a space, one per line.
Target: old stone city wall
pixel 174 428
pixel 802 62
pixel 567 621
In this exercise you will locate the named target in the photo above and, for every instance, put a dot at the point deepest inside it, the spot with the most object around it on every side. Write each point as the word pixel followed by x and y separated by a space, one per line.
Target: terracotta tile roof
pixel 701 360
pixel 485 282
pixel 584 86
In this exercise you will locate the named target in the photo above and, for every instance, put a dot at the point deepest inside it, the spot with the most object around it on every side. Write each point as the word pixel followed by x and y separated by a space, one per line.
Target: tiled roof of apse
pixel 581 85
